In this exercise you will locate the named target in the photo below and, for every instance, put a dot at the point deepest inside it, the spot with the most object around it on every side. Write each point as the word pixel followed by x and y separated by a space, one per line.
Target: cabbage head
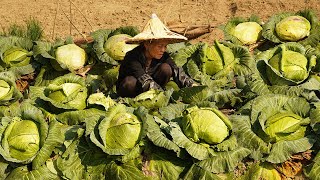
pixel 66 92
pixel 277 126
pixel 216 58
pixel 69 57
pixel 293 28
pixel 284 127
pixel 119 131
pixel 22 137
pixel 207 125
pixel 264 171
pixel 17 57
pixel 116 46
pixel 151 99
pixel 286 64
pixel 8 90
pixel 248 32
pixel 23 134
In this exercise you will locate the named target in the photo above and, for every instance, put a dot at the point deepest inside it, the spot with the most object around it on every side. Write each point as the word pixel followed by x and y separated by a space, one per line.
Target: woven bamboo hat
pixel 154 30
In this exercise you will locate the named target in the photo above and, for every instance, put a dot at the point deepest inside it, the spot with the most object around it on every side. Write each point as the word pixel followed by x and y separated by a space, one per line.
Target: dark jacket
pixel 134 65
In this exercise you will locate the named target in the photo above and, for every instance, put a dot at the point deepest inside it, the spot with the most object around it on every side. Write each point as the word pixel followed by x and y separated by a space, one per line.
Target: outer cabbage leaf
pixel 186 54
pixel 312 171
pixel 224 161
pixel 127 171
pixel 197 172
pixel 155 134
pixel 160 164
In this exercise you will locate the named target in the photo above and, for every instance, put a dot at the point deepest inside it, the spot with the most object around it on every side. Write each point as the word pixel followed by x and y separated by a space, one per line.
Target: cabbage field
pixel 254 114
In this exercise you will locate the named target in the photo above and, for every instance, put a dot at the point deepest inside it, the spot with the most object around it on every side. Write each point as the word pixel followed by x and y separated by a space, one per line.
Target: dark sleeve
pixel 131 66
pixel 179 76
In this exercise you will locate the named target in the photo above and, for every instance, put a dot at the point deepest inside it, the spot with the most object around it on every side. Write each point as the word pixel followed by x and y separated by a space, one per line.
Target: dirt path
pixel 115 13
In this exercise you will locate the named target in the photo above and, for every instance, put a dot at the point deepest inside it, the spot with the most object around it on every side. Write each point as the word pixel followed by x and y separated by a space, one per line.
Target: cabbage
pixel 70 56
pixel 8 90
pixel 205 124
pixel 293 28
pixel 248 32
pixel 284 126
pixel 23 134
pixel 286 64
pixel 151 99
pixel 116 46
pixel 16 57
pixel 274 127
pixel 119 132
pixel 216 58
pixel 66 92
pixel 22 138
pixel 123 131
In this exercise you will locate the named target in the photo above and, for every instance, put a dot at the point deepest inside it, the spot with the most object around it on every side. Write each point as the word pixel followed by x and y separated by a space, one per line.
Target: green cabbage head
pixel 151 99
pixel 16 57
pixel 6 91
pixel 248 32
pixel 120 129
pixel 284 126
pixel 22 137
pixel 70 56
pixel 207 125
pixel 116 46
pixel 67 92
pixel 287 68
pixel 264 171
pixel 293 28
pixel 217 59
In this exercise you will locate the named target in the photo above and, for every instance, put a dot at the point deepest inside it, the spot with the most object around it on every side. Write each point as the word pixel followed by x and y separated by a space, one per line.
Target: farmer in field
pixel 149 66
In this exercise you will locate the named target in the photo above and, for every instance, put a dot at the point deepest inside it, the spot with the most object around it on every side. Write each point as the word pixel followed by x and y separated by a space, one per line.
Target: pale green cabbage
pixel 248 32
pixel 293 28
pixel 116 46
pixel 287 65
pixel 284 126
pixel 16 57
pixel 70 56
pixel 216 58
pixel 205 124
pixel 23 139
pixel 123 131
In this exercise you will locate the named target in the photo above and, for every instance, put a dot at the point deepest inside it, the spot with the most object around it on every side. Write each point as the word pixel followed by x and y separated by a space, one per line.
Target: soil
pixel 90 15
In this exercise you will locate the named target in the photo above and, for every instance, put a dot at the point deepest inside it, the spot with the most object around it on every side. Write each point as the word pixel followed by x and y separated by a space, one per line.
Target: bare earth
pixel 55 15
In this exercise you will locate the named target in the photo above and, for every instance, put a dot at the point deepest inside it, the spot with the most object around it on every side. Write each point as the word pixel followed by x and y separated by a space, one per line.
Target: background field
pixel 100 14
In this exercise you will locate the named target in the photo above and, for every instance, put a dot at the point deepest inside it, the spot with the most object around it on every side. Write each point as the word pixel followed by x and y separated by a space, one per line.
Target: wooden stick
pixel 190 26
pixel 70 19
pixel 83 15
pixel 73 24
pixel 54 21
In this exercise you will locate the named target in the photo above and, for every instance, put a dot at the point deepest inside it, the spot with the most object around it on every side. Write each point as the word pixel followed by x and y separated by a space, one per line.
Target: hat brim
pixel 141 40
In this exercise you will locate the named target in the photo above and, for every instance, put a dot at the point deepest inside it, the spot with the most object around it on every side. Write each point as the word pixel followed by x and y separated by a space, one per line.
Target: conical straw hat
pixel 154 30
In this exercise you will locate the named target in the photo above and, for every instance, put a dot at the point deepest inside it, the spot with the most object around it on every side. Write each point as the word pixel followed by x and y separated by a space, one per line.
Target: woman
pixel 149 66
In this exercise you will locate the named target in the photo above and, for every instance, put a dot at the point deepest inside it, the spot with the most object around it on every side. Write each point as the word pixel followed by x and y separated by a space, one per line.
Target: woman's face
pixel 156 48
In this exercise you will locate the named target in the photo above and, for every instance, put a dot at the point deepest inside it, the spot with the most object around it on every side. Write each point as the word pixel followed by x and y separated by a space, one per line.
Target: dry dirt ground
pixel 89 15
